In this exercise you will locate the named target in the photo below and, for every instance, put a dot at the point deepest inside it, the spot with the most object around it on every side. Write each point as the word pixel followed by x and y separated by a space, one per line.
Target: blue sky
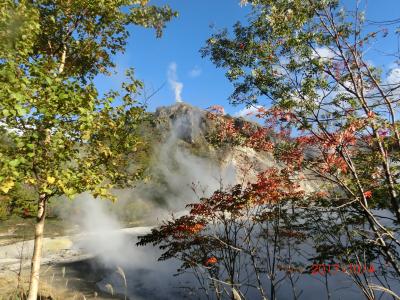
pixel 203 83
pixel 177 52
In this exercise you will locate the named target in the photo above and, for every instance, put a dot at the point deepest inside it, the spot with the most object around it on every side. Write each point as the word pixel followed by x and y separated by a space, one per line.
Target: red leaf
pixel 368 194
pixel 212 260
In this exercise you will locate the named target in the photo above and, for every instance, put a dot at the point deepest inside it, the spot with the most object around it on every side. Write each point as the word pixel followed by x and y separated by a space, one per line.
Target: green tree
pixel 63 137
pixel 309 64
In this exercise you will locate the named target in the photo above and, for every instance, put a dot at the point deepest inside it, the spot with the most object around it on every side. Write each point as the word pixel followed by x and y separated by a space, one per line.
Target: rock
pixel 188 122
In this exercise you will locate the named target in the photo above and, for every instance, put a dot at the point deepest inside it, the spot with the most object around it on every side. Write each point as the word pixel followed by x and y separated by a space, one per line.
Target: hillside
pixel 180 156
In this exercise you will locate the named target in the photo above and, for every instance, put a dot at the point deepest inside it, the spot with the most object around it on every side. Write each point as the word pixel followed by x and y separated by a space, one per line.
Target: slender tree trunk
pixel 37 250
pixel 63 57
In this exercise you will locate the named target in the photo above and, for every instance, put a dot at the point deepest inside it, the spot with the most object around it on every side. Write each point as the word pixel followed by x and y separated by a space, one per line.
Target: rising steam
pixel 99 220
pixel 175 85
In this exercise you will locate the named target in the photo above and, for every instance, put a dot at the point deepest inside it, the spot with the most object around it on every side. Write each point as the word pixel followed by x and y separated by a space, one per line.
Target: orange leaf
pixel 211 260
pixel 368 194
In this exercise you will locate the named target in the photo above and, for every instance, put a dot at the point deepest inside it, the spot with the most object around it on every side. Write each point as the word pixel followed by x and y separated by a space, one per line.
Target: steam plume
pixel 175 85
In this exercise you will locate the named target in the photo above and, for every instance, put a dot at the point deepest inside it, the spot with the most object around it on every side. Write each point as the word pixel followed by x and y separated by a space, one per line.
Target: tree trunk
pixel 63 57
pixel 37 250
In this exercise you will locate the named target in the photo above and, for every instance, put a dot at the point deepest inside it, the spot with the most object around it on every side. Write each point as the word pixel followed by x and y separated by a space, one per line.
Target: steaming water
pixel 113 247
pixel 149 279
pixel 146 277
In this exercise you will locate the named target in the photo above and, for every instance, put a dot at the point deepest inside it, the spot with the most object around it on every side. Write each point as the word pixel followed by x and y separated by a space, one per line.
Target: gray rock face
pixel 189 123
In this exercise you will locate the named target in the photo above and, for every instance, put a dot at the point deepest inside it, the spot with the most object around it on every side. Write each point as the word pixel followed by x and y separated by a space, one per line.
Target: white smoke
pixel 175 85
pixel 181 169
pixel 102 233
pixel 114 249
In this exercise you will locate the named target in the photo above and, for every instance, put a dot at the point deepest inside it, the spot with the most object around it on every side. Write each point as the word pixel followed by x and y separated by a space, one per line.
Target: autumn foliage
pixel 329 117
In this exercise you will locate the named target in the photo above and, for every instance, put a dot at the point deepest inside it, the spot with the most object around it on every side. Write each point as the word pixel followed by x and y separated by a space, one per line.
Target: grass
pixel 17 229
pixel 14 288
pixel 56 283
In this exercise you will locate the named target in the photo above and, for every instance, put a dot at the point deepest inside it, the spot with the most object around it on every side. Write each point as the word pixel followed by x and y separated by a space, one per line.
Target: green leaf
pixel 15 162
pixel 20 110
pixel 6 112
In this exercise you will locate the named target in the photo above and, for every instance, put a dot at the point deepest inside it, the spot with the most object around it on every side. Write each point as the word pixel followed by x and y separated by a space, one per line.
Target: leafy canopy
pixel 62 136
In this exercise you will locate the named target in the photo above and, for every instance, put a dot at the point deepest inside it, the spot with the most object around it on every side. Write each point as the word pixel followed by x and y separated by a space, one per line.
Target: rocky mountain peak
pixel 189 123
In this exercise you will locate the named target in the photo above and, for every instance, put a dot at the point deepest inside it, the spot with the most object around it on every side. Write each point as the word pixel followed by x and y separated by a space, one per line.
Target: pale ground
pixel 57 251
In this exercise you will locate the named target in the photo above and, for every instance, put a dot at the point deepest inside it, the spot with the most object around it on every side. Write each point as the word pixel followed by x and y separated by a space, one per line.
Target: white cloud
pixel 392 82
pixel 175 85
pixel 324 53
pixel 394 76
pixel 195 72
pixel 243 3
pixel 249 112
